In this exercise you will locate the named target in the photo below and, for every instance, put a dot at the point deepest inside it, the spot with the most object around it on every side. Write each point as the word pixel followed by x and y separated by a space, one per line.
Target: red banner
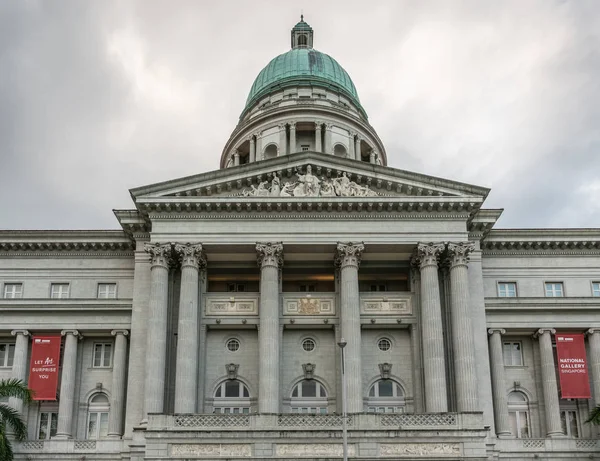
pixel 572 367
pixel 43 372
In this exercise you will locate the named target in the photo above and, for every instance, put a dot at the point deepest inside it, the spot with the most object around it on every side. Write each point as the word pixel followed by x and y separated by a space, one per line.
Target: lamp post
pixel 342 344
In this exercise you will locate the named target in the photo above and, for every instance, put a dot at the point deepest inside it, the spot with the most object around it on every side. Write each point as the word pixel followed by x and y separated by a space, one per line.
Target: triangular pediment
pixel 308 175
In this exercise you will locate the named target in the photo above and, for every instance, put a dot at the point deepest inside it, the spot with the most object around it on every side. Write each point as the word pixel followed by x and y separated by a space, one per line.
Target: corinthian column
pixel 348 257
pixel 552 409
pixel 434 363
pixel 462 330
pixel 270 259
pixel 318 147
pixel 282 140
pixel 186 378
pixel 156 344
pixel 252 154
pixel 19 368
pixel 594 342
pixel 328 143
pixel 117 399
pixel 499 382
pixel 357 153
pixel 293 147
pixel 67 386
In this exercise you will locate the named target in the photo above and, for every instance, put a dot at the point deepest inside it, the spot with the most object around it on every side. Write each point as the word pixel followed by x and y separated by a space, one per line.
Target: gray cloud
pixel 100 97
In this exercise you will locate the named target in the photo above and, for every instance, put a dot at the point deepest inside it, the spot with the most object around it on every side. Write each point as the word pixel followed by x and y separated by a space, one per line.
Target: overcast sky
pixel 98 97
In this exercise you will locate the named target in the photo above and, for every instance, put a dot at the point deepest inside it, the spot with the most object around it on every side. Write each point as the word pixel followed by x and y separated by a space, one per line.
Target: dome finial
pixel 302 34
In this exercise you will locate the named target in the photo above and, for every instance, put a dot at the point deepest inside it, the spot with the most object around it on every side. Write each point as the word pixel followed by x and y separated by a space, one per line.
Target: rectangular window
pixel 304 147
pixel 102 355
pixel 513 353
pixel 554 289
pixel 507 289
pixel 13 290
pixel 48 425
pixel 97 425
pixel 569 423
pixel 595 288
pixel 519 423
pixel 378 287
pixel 107 290
pixel 7 354
pixel 59 290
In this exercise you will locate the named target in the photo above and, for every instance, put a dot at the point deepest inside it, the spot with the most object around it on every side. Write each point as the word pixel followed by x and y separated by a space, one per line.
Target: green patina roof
pixel 302 66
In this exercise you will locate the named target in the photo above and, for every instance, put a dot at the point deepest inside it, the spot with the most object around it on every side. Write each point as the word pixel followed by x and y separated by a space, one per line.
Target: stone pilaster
pixel 499 382
pixel 186 382
pixel 373 157
pixel 260 155
pixel 236 158
pixel 467 397
pixel 318 147
pixel 593 335
pixel 117 398
pixel 328 143
pixel 156 344
pixel 293 147
pixel 357 152
pixel 19 368
pixel 67 385
pixel 434 364
pixel 252 154
pixel 550 389
pixel 348 256
pixel 270 259
pixel 351 135
pixel 282 140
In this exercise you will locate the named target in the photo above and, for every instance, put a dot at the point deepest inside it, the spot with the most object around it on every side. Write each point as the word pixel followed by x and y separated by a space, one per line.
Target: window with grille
pixel 7 354
pixel 59 290
pixel 507 289
pixel 107 290
pixel 512 352
pixel 102 355
pixel 386 396
pixel 231 397
pixel 554 289
pixel 309 396
pixel 97 427
pixel 13 290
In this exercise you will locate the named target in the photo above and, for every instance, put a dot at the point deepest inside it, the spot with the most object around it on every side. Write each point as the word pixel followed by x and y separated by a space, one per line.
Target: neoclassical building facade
pixel 233 309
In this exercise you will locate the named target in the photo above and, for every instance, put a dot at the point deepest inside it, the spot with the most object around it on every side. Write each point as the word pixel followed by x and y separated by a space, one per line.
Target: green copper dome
pixel 302 66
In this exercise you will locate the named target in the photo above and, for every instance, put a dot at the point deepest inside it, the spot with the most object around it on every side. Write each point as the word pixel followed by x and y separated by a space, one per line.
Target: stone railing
pixel 547 445
pixel 68 446
pixel 231 304
pixel 292 421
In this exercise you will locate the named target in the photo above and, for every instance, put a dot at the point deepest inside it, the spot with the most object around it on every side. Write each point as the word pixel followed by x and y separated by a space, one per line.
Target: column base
pixel 114 436
pixel 62 437
pixel 556 435
pixel 505 435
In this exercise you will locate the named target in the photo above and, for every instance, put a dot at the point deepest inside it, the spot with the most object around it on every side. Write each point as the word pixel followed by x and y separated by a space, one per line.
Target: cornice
pixel 542 303
pixel 72 248
pixel 307 215
pixel 70 304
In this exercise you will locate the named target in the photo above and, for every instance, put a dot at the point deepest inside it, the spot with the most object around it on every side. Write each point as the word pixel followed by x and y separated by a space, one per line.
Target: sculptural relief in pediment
pixel 309 185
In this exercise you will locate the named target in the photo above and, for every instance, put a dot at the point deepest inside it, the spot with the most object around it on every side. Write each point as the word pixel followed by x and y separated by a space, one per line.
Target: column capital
pixel 20 332
pixel 458 253
pixel 119 332
pixel 592 330
pixel 349 254
pixel 160 253
pixel 191 254
pixel 258 135
pixel 281 126
pixel 292 125
pixel 428 254
pixel 71 332
pixel 269 254
pixel 318 124
pixel 491 331
pixel 328 126
pixel 541 331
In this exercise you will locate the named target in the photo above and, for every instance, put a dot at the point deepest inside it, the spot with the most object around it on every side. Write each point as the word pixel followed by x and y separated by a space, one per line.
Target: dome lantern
pixel 302 35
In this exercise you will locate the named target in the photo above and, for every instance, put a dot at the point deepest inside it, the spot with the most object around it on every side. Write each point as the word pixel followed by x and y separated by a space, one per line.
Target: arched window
pixel 309 396
pixel 518 413
pixel 97 427
pixel 386 396
pixel 270 152
pixel 302 41
pixel 231 396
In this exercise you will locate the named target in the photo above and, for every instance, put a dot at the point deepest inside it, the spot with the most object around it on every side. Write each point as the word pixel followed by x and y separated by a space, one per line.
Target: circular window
pixel 233 345
pixel 309 345
pixel 384 344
